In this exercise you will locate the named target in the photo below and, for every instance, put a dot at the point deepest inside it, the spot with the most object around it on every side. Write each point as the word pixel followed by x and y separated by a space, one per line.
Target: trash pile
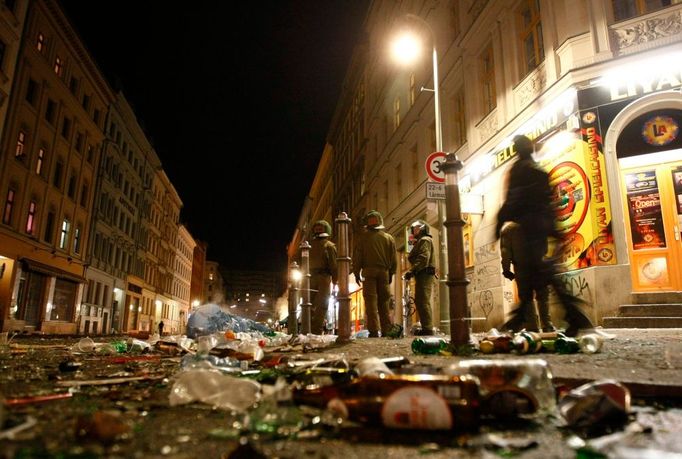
pixel 281 386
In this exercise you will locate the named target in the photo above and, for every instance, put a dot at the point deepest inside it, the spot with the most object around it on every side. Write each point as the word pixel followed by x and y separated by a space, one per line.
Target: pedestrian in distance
pixel 323 272
pixel 529 285
pixel 374 265
pixel 529 203
pixel 161 328
pixel 423 270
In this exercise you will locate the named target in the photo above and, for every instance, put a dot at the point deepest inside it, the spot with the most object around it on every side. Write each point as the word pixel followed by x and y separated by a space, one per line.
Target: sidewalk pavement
pixel 648 361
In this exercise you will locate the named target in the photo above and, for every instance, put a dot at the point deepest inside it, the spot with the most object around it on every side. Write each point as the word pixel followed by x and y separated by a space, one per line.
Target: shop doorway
pixel 651 191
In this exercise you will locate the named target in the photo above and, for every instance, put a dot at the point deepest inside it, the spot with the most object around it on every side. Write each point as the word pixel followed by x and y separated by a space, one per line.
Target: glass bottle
pixel 591 344
pixel 527 342
pixel 566 345
pixel 510 387
pixel 493 344
pixel 421 401
pixel 429 345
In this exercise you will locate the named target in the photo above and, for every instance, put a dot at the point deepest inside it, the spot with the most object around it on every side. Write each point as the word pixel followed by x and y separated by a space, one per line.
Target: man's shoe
pixel 424 332
pixel 548 327
pixel 374 334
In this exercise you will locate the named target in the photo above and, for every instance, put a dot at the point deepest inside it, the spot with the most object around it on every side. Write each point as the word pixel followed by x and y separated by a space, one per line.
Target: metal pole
pixel 443 246
pixel 457 282
pixel 343 265
pixel 292 320
pixel 306 306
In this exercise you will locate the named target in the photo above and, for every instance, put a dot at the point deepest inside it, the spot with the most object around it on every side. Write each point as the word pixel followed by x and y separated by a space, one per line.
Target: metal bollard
pixel 343 265
pixel 294 280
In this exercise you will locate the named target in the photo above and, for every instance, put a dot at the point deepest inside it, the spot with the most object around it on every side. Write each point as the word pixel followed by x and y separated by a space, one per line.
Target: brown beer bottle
pixel 421 401
pixel 493 344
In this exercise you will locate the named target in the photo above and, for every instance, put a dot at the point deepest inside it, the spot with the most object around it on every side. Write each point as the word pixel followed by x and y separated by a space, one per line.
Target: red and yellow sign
pixel 577 176
pixel 660 130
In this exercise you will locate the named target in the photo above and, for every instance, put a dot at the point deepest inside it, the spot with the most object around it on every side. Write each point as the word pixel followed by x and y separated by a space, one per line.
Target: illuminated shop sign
pixel 634 80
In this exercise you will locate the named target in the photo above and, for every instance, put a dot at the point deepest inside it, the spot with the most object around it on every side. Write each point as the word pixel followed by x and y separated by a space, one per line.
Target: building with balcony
pixel 596 84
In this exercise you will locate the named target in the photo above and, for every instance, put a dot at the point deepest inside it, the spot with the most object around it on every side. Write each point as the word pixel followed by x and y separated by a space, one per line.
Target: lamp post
pixel 295 278
pixel 306 306
pixel 406 49
pixel 343 264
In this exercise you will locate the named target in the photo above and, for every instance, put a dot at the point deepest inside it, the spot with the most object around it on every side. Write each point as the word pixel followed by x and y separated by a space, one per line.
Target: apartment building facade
pixel 182 277
pixel 50 153
pixel 595 84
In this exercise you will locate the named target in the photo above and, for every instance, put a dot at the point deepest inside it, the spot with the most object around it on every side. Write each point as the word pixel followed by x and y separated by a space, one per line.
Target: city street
pixel 117 405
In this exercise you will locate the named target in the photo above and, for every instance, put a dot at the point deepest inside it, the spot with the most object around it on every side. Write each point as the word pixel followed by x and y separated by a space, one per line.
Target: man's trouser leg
pixel 524 314
pixel 383 299
pixel 542 298
pixel 369 293
pixel 321 283
pixel 422 299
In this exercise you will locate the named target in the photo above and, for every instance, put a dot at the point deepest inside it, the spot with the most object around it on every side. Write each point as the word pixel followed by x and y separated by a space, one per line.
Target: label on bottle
pixel 416 408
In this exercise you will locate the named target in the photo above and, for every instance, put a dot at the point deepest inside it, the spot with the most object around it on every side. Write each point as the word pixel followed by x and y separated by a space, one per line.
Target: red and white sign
pixel 433 164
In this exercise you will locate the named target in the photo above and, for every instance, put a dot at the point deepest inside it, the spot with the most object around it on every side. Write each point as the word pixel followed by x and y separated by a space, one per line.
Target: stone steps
pixel 646 316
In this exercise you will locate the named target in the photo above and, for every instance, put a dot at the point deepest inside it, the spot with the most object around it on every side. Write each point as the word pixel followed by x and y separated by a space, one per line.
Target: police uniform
pixel 422 259
pixel 323 272
pixel 374 264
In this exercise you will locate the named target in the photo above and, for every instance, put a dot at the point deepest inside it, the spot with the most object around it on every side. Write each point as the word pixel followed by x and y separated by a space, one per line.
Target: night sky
pixel 237 99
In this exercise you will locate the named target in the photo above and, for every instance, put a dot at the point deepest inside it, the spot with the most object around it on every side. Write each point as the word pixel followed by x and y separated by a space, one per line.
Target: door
pixel 652 196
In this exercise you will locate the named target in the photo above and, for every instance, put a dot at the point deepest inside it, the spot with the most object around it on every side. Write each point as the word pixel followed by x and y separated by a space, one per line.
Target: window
pixel 91 154
pixel 49 227
pixel 488 79
pixel 11 5
pixel 20 150
pixel 31 92
pixel 77 240
pixel 40 161
pixel 460 128
pixel 86 102
pixel 57 177
pixel 3 49
pixel 626 9
pixel 31 218
pixel 396 113
pixel 58 66
pixel 66 127
pixel 73 85
pixel 85 191
pixel 40 42
pixel 64 236
pixel 96 116
pixel 413 89
pixel 9 206
pixel 530 35
pixel 51 111
pixel 71 187
pixel 80 141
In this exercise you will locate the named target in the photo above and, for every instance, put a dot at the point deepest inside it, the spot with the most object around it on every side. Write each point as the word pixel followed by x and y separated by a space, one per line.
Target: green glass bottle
pixel 429 345
pixel 566 345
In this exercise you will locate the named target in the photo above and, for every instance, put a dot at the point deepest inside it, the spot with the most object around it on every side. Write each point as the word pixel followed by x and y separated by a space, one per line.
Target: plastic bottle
pixel 591 344
pixel 510 387
pixel 429 402
pixel 429 345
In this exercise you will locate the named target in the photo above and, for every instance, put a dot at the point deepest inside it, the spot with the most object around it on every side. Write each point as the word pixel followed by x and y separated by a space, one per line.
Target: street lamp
pixel 406 48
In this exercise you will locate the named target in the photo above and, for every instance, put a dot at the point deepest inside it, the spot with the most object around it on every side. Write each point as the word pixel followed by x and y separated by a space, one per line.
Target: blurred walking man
pixel 529 203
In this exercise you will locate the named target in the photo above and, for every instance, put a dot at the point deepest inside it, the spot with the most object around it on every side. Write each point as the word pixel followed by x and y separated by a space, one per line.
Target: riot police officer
pixel 423 270
pixel 374 264
pixel 323 273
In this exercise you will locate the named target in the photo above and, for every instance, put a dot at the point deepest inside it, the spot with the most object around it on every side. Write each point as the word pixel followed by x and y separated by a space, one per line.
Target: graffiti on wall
pixel 577 285
pixel 487 275
pixel 487 252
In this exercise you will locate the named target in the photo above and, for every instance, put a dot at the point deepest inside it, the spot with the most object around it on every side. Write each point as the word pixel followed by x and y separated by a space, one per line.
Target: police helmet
pixel 322 228
pixel 374 220
pixel 422 225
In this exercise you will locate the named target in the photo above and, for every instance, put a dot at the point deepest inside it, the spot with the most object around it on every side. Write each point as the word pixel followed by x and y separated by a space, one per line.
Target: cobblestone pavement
pixel 136 420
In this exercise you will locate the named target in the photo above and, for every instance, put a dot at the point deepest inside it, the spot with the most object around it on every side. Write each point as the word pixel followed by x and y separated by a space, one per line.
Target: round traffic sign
pixel 433 164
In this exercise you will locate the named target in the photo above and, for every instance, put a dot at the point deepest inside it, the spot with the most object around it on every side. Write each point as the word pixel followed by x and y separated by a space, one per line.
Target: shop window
pixel 64 300
pixel 626 9
pixel 530 35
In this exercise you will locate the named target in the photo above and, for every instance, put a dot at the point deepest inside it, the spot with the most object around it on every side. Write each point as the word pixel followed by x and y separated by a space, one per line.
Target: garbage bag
pixel 209 318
